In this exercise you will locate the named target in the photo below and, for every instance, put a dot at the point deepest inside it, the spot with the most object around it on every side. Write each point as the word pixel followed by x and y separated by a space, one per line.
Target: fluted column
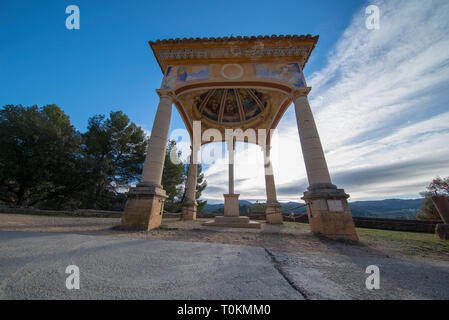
pixel 154 161
pixel 312 150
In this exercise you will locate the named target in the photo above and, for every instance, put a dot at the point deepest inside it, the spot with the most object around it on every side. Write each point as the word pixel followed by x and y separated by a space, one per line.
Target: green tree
pixel 173 178
pixel 201 184
pixel 115 152
pixel 46 163
pixel 438 187
pixel 40 159
pixel 257 207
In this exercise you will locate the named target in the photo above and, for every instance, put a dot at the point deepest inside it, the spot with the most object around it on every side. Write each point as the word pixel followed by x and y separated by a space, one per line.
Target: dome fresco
pixel 231 105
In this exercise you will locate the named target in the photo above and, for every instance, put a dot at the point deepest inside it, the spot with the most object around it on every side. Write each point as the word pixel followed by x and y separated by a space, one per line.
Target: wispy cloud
pixel 381 105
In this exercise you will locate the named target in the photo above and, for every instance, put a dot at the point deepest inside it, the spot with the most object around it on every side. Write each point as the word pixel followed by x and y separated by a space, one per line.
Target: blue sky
pixel 380 97
pixel 108 65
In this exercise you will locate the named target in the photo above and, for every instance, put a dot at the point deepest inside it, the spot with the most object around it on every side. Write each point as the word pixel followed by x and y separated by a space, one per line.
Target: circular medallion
pixel 232 71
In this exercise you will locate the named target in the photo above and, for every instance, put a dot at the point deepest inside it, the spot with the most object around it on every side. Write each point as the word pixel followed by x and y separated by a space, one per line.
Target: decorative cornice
pixel 233 52
pixel 263 49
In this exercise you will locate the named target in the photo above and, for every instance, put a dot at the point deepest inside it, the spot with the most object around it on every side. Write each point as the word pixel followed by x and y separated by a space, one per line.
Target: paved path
pixel 32 266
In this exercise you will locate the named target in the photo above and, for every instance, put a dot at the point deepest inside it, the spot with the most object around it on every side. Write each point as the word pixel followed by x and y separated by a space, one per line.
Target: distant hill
pixel 219 208
pixel 389 208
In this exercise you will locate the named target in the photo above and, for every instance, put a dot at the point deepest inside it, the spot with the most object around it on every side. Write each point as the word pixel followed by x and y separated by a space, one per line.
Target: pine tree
pixel 201 184
pixel 173 178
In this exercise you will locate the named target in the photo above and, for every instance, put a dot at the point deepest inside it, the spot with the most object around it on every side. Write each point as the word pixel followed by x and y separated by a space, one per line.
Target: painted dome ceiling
pixel 231 105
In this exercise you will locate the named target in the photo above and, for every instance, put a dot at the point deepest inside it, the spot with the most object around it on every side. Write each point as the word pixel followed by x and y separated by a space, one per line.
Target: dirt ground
pixel 289 237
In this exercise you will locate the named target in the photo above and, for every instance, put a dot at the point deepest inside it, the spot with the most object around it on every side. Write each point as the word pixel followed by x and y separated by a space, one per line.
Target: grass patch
pixel 400 242
pixel 409 243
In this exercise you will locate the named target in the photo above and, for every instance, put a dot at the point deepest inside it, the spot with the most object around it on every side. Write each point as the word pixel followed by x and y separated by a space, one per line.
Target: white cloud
pixel 381 105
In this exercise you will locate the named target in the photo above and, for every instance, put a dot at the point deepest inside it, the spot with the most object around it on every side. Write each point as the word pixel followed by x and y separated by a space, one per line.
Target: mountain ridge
pixel 387 208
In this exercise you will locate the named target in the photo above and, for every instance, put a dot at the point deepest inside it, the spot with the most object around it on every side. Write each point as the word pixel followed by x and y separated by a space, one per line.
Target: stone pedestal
pixel 328 212
pixel 231 218
pixel 273 213
pixel 231 205
pixel 144 208
pixel 442 231
pixel 188 211
pixel 233 222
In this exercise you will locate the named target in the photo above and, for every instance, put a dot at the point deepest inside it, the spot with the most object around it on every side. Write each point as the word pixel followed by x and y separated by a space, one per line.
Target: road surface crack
pixel 277 265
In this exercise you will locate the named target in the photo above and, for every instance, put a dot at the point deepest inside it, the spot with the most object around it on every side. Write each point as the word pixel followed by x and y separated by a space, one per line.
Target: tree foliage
pixel 46 163
pixel 201 185
pixel 173 178
pixel 438 187
pixel 40 159
pixel 115 149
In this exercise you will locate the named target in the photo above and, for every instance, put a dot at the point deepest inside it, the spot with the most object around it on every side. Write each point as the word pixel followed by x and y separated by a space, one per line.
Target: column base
pixel 273 212
pixel 231 205
pixel 188 211
pixel 144 207
pixel 328 212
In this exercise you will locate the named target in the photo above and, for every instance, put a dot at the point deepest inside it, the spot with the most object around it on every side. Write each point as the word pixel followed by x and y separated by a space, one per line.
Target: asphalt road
pixel 32 266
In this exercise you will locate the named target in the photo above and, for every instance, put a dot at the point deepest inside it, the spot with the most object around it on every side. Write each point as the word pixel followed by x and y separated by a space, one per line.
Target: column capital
pixel 164 93
pixel 297 92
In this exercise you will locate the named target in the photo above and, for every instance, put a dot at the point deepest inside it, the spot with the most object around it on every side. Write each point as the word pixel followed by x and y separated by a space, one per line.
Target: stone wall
pixel 63 213
pixel 371 223
pixel 396 224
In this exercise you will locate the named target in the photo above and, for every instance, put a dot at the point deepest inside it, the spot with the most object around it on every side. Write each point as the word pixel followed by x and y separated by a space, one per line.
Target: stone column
pixel 154 161
pixel 190 205
pixel 145 204
pixel 231 205
pixel 231 171
pixel 273 207
pixel 327 206
pixel 316 166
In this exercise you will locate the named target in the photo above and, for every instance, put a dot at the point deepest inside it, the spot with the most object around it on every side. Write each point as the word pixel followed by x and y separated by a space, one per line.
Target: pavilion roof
pixel 165 50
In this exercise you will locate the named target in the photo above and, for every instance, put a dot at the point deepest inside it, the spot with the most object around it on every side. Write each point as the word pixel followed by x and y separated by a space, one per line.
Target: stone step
pixel 242 219
pixel 250 224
